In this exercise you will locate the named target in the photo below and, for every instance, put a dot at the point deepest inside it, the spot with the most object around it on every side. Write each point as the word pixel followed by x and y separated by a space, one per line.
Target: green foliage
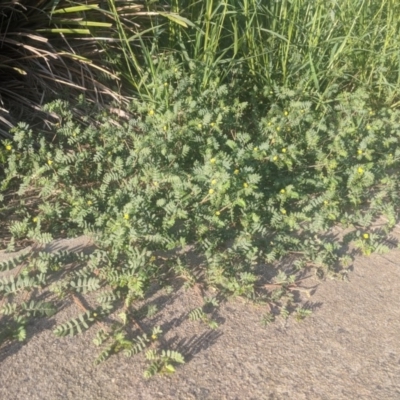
pixel 162 363
pixel 76 325
pixel 198 314
pixel 241 184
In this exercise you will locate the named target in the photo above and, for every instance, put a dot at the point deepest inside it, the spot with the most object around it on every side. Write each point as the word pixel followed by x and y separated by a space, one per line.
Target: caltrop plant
pixel 239 184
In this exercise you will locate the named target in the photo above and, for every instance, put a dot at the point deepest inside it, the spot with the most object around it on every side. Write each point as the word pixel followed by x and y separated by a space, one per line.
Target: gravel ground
pixel 349 348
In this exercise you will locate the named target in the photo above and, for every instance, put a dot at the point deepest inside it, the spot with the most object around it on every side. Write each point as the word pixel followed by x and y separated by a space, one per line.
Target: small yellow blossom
pixel 212 124
pixel 49 162
pixel 236 171
pixel 151 112
pixel 283 211
pixel 217 213
pixel 152 259
pixel 154 337
pixel 283 191
pixel 212 161
pixel 155 183
pixel 245 185
pixel 269 123
pixel 283 150
pixel 255 149
pixel 199 125
pixel 213 182
pixel 94 314
pixel 166 84
pixel 365 236
pixel 286 113
pixel 211 191
pixel 359 152
pixel 326 202
pixel 8 147
pixel 368 126
pixel 165 127
pixel 89 202
pixel 126 216
pixel 360 170
pixel 278 128
pixel 35 219
pixel 275 158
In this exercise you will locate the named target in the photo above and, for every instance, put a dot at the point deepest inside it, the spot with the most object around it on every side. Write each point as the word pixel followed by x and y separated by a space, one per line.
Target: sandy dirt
pixel 349 348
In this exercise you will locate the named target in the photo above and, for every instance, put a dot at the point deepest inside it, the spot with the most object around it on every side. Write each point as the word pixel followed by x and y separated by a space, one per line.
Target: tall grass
pixel 318 42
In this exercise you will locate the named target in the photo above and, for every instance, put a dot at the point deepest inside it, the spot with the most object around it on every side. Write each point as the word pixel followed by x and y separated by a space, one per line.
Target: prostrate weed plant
pixel 256 128
pixel 239 184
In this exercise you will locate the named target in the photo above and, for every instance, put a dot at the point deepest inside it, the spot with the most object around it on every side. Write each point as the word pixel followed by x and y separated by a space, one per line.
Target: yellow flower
pixel 151 112
pixel 213 182
pixel 269 123
pixel 89 202
pixel 236 171
pixel 245 185
pixel 154 337
pixel 283 211
pixel 359 152
pixel 94 314
pixel 155 183
pixel 199 125
pixel 35 219
pixel 278 129
pixel 165 84
pixel 49 162
pixel 283 150
pixel 211 191
pixel 165 127
pixel 255 149
pixel 275 158
pixel 365 236
pixel 126 216
pixel 283 191
pixel 326 202
pixel 368 126
pixel 217 213
pixel 286 113
pixel 8 147
pixel 212 161
pixel 212 124
pixel 152 259
pixel 360 170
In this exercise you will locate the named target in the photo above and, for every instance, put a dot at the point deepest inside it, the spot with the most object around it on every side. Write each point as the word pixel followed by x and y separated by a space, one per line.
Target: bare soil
pixel 349 348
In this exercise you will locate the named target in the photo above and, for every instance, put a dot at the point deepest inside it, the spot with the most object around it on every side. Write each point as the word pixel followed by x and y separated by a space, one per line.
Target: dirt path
pixel 348 349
